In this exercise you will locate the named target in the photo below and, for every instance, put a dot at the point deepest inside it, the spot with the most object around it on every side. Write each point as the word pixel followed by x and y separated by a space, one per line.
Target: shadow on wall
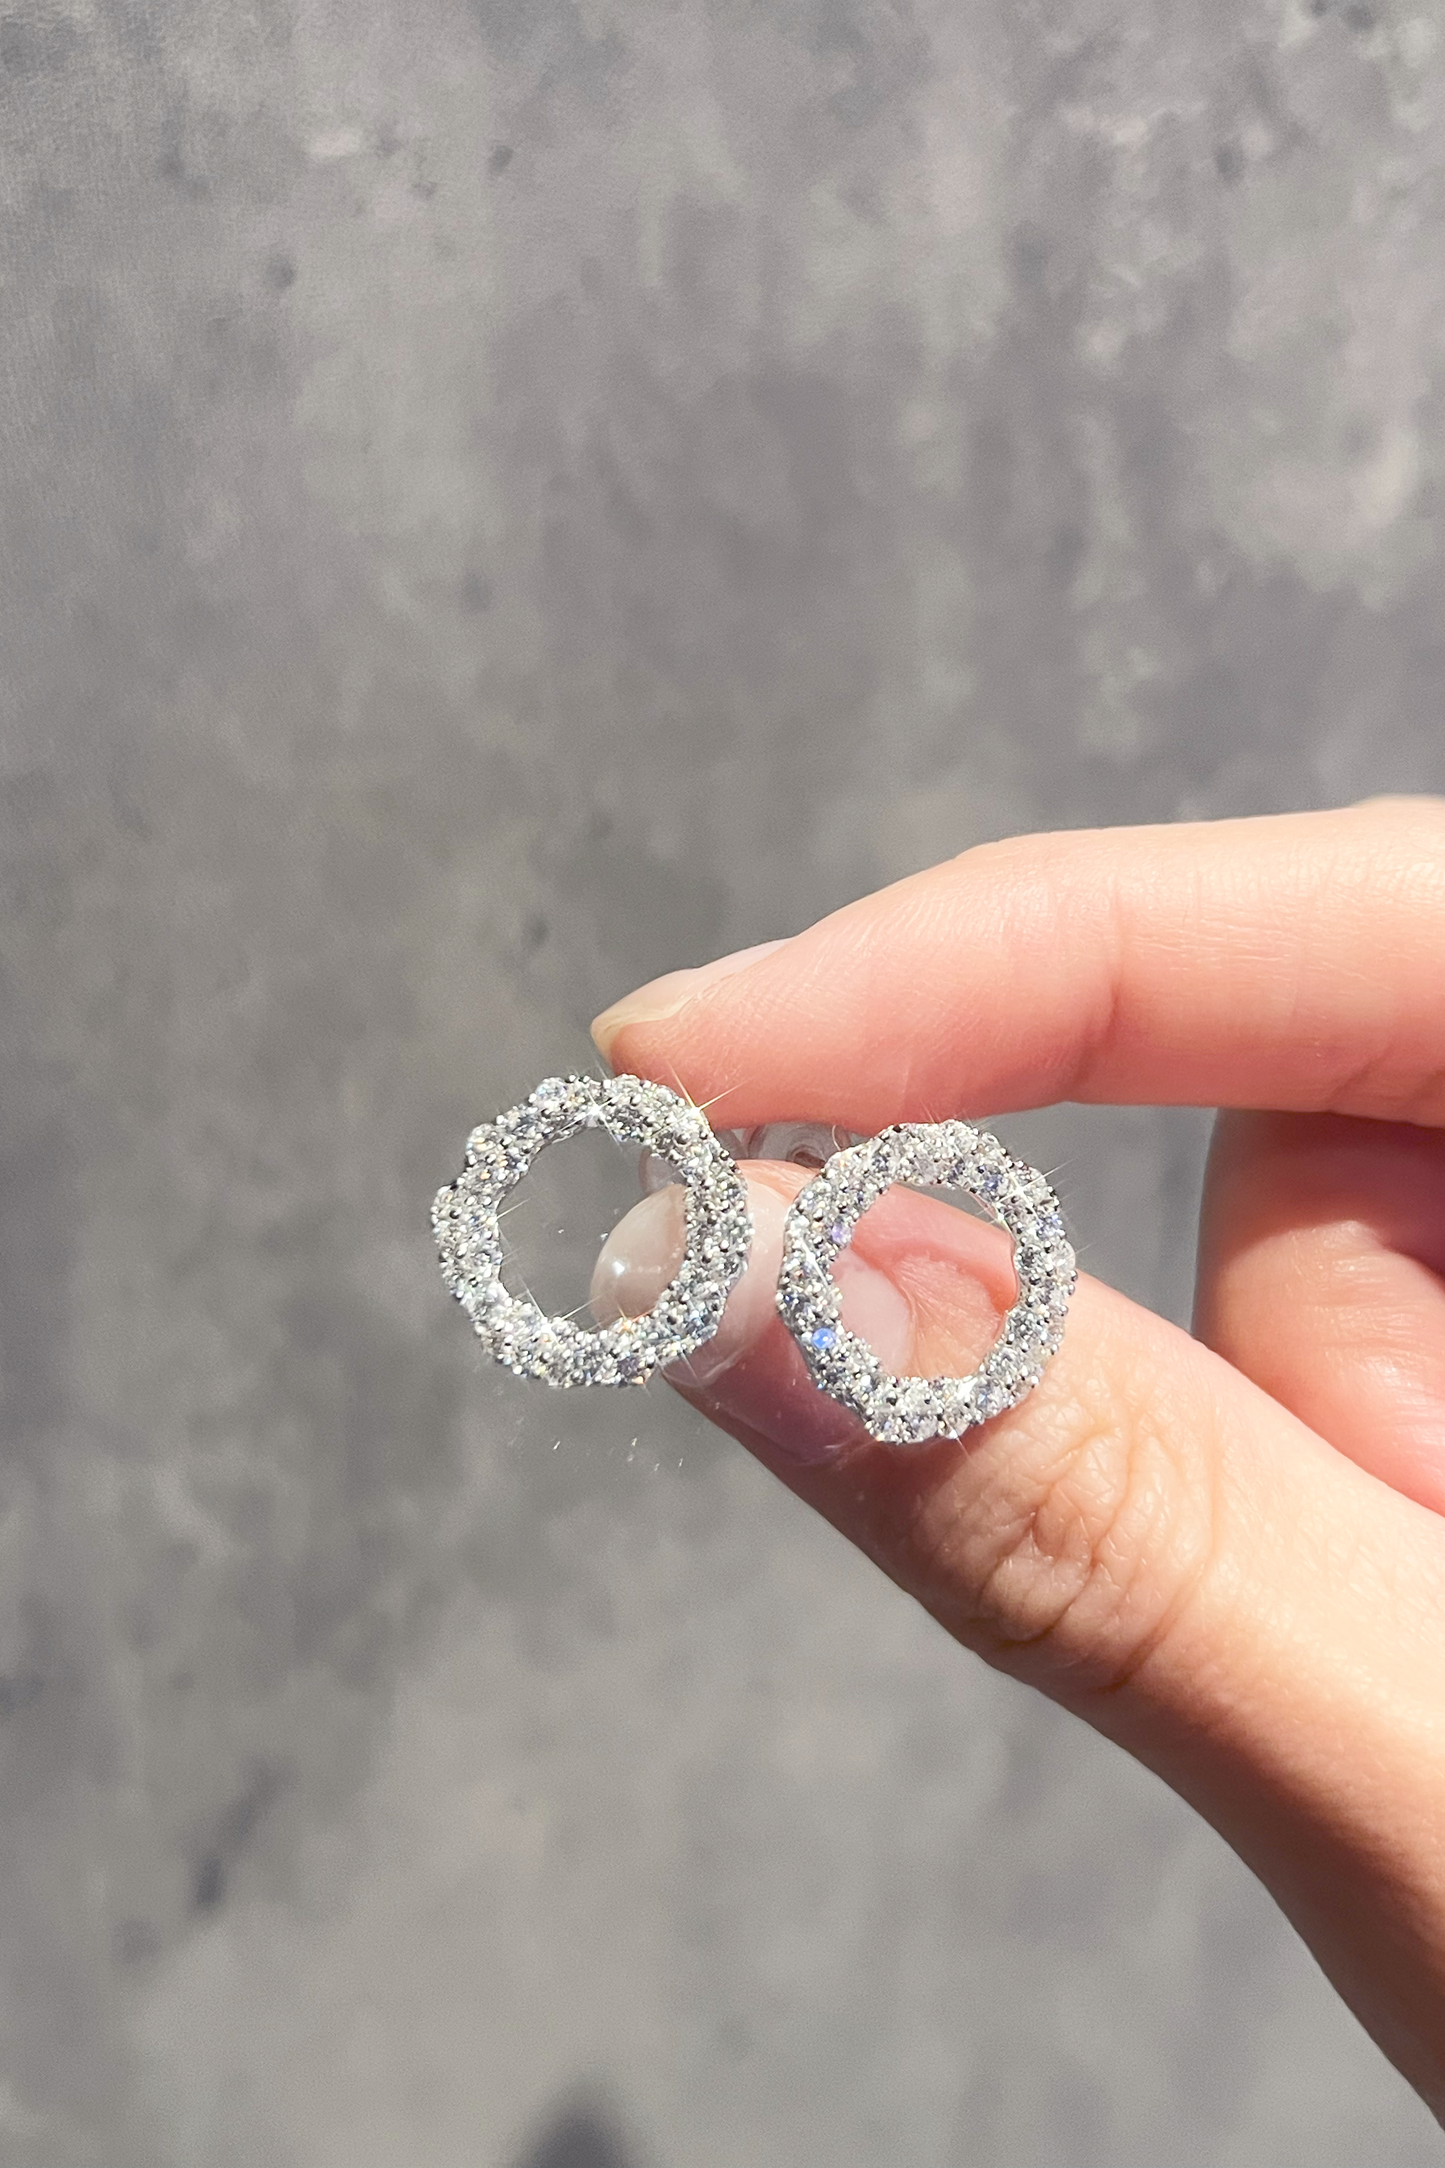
pixel 582 2136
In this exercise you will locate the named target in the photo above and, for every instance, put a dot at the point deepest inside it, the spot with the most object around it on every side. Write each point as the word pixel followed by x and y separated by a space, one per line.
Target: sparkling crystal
pixel 465 1217
pixel 907 1411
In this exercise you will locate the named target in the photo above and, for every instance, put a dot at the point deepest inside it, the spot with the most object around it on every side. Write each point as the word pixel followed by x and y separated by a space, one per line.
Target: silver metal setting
pixel 820 1222
pixel 466 1217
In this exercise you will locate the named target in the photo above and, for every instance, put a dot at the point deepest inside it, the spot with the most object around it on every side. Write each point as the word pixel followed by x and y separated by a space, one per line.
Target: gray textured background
pixel 500 499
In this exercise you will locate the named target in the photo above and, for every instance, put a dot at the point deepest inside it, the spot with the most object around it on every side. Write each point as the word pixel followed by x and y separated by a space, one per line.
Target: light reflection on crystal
pixel 466 1220
pixel 943 1155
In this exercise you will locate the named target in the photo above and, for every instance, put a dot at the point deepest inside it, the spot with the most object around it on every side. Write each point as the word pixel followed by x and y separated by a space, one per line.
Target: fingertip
pixel 662 998
pixel 923 1284
pixel 750 1371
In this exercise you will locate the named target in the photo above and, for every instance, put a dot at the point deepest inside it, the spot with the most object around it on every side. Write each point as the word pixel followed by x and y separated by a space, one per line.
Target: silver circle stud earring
pixel 466 1218
pixel 820 1222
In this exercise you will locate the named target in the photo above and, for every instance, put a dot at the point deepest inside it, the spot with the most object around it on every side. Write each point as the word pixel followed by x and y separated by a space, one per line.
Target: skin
pixel 1226 1551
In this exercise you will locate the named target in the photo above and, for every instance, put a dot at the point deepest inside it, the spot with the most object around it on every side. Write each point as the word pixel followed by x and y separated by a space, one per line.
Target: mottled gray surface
pixel 500 499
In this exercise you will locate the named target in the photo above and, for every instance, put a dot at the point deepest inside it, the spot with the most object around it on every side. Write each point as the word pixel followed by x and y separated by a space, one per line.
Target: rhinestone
pixel 465 1217
pixel 907 1411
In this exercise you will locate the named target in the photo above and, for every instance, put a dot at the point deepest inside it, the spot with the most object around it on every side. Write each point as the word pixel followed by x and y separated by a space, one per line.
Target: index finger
pixel 1292 961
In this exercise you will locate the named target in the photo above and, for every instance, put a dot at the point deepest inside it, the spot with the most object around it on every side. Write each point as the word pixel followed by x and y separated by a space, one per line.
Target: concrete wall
pixel 502 497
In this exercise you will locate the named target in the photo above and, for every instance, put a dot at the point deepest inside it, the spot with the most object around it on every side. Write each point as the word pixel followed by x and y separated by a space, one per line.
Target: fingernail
pixel 665 996
pixel 640 1256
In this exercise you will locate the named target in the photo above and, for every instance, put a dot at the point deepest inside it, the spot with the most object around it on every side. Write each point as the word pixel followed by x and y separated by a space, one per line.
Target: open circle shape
pixel 820 1222
pixel 514 1329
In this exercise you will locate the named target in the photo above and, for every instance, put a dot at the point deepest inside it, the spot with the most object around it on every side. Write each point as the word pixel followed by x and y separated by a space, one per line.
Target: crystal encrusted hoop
pixel 499 1153
pixel 821 1220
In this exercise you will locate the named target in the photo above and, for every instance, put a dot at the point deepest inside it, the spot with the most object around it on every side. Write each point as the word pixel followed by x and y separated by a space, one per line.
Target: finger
pixel 1322 1249
pixel 1161 1547
pixel 911 1261
pixel 1288 962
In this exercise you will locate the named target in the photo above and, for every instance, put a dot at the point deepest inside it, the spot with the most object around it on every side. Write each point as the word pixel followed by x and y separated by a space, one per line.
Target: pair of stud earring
pixel 819 1223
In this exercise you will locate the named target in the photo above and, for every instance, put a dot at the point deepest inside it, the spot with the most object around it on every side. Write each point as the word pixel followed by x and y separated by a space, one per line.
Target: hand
pixel 1226 1552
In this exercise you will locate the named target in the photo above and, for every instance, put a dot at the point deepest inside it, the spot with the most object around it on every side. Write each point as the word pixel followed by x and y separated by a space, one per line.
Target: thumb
pixel 1150 1539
